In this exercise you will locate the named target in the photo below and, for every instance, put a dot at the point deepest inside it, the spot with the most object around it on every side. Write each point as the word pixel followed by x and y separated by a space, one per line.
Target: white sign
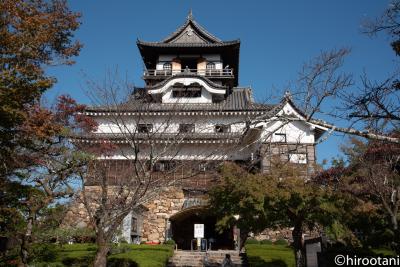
pixel 199 231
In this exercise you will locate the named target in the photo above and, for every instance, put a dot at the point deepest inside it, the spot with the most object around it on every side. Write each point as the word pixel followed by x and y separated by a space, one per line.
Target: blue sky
pixel 277 38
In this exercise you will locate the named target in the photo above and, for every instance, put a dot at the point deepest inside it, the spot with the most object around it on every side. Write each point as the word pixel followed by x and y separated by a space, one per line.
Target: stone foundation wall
pixel 282 151
pixel 284 233
pixel 77 215
pixel 154 219
pixel 159 211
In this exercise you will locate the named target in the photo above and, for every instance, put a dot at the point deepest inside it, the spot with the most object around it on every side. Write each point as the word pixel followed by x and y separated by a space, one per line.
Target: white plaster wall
pixel 218 65
pixel 170 124
pixel 296 132
pixel 187 81
pixel 288 121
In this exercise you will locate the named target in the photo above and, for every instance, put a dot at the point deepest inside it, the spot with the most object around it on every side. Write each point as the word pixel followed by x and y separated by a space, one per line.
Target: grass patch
pixel 123 255
pixel 143 256
pixel 264 255
pixel 384 251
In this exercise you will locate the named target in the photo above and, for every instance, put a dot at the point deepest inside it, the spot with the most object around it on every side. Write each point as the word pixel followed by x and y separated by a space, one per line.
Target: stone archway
pixel 182 229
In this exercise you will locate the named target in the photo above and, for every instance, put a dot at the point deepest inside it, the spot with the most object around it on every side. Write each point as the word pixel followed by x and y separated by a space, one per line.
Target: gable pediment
pixel 188 35
pixel 191 32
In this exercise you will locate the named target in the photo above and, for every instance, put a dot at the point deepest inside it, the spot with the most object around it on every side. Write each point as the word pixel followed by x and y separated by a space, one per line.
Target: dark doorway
pixel 190 63
pixel 182 226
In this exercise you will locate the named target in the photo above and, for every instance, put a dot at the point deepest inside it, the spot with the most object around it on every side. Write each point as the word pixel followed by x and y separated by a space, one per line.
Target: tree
pixel 241 193
pixel 280 198
pixel 33 34
pixel 372 178
pixel 135 157
pixel 373 111
pixel 52 167
pixel 36 158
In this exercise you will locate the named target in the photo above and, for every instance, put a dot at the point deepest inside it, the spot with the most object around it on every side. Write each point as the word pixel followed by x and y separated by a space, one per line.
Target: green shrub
pixel 120 248
pixel 252 241
pixel 44 253
pixel 121 262
pixel 77 255
pixel 266 242
pixel 170 242
pixel 82 261
pixel 281 242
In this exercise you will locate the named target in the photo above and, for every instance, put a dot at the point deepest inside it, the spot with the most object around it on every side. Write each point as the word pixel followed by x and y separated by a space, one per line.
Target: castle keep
pixel 191 91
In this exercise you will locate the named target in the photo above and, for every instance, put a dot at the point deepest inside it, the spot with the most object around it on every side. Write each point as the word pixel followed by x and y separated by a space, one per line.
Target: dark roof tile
pixel 239 99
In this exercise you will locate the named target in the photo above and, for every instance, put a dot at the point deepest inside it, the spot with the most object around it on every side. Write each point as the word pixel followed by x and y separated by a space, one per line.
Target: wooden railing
pixel 211 73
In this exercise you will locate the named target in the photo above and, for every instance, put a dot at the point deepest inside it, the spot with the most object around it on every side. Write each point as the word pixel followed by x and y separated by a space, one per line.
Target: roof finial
pixel 190 15
pixel 288 95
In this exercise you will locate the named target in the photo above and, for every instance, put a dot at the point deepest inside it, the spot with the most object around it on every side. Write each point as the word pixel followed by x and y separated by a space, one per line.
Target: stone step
pixel 209 255
pixel 196 258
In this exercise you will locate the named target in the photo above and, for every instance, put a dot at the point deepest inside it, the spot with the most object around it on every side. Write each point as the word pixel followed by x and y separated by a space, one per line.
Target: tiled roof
pixel 193 23
pixel 158 44
pixel 200 37
pixel 240 99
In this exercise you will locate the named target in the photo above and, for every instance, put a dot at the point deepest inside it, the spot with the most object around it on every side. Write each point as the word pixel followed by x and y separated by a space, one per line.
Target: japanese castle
pixel 191 91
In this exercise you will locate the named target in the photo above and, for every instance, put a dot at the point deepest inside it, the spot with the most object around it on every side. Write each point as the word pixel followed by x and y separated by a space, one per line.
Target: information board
pixel 199 230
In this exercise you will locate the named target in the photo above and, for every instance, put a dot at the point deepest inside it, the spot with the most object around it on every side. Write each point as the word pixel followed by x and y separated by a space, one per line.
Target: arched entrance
pixel 182 229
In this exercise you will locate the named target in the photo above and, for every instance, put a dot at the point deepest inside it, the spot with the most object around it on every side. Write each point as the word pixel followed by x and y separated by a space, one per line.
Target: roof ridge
pixel 190 20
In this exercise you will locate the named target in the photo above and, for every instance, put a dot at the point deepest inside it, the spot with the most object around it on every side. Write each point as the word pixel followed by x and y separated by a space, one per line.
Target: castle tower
pixel 191 91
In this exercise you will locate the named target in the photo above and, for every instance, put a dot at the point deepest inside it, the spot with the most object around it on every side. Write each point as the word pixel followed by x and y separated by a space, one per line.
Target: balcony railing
pixel 209 73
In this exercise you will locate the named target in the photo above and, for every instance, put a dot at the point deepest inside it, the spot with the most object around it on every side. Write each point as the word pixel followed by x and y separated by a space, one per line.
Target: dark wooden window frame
pixel 186 128
pixel 145 128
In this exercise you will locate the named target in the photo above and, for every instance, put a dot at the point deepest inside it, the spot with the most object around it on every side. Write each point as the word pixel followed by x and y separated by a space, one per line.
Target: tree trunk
pixel 102 250
pixel 298 245
pixel 243 238
pixel 396 239
pixel 394 222
pixel 26 240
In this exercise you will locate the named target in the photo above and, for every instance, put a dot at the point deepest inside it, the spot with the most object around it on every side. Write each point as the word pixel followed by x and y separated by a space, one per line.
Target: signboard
pixel 199 230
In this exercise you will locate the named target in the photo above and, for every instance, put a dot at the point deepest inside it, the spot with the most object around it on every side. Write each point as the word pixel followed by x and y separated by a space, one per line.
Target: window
pixel 186 128
pixel 167 66
pixel 210 66
pixel 298 158
pixel 202 167
pixel 192 90
pixel 159 166
pixel 186 92
pixel 163 165
pixel 222 128
pixel 145 128
pixel 281 137
pixel 134 225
